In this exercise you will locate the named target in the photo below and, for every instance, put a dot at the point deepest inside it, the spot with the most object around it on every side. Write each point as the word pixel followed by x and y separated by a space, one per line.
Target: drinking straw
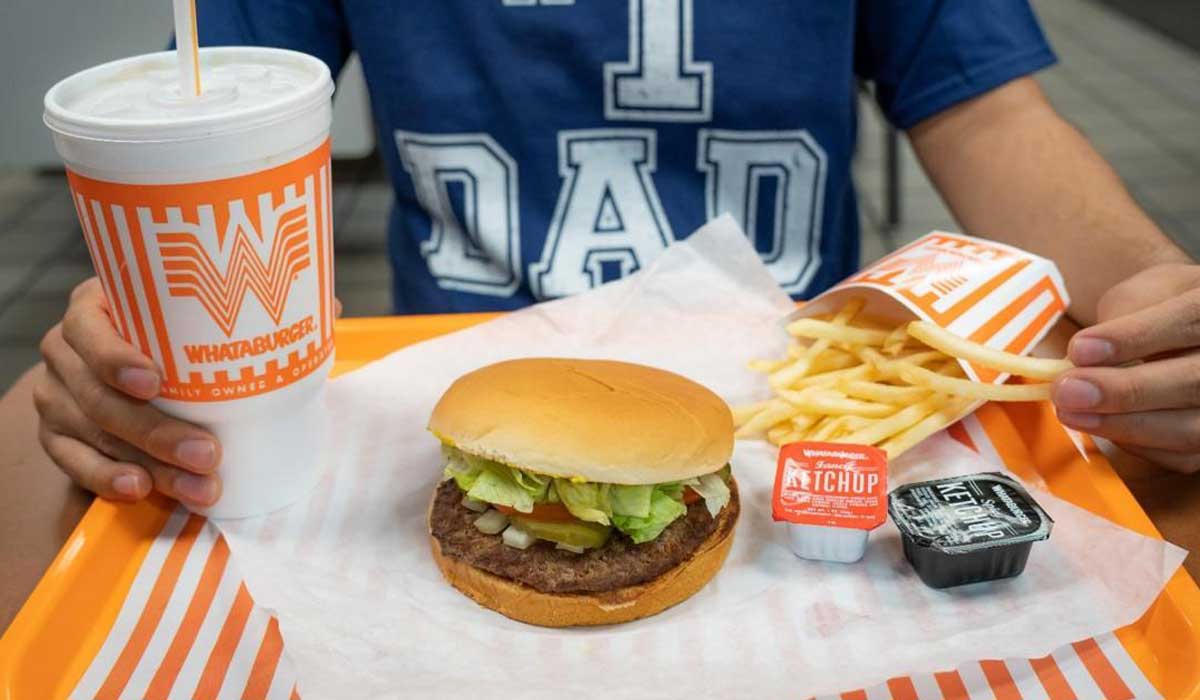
pixel 187 47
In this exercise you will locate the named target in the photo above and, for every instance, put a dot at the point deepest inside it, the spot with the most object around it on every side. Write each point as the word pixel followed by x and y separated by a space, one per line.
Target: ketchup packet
pixel 831 495
pixel 831 484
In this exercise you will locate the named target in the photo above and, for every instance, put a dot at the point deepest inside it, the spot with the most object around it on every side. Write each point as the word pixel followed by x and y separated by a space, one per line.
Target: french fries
pixel 894 344
pixel 741 414
pixel 851 379
pixel 884 393
pixel 826 330
pixel 939 338
pixel 976 390
pixel 804 361
pixel 835 403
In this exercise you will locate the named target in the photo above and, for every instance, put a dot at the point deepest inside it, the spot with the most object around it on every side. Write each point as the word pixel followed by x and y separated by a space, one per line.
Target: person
pixel 538 148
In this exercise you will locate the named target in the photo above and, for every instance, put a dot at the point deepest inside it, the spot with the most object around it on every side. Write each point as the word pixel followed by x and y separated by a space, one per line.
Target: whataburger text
pixel 258 345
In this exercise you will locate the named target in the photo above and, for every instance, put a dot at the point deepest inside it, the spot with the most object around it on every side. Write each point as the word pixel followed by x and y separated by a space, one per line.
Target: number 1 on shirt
pixel 660 82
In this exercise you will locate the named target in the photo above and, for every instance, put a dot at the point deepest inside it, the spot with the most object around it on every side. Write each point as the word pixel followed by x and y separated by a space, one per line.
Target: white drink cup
pixel 208 222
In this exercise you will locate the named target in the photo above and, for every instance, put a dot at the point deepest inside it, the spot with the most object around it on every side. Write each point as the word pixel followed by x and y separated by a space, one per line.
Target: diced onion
pixel 570 548
pixel 492 522
pixel 473 504
pixel 518 538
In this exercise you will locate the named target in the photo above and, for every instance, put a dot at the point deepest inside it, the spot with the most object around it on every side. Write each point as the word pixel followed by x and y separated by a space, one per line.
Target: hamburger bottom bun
pixel 525 604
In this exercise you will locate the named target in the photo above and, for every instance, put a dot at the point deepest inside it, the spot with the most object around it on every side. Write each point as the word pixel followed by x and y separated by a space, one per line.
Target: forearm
pixel 1012 170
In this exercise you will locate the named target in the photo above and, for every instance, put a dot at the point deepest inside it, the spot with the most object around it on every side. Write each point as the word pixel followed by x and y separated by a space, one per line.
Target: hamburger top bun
pixel 600 420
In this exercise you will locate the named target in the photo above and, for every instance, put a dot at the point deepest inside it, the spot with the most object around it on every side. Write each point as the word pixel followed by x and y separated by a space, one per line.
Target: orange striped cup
pixel 208 222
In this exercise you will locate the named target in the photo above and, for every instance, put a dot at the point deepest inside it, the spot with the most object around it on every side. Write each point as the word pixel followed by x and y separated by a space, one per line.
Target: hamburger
pixel 581 492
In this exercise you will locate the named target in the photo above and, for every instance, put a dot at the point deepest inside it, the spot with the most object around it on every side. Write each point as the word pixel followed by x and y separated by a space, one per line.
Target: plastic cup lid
pixel 140 99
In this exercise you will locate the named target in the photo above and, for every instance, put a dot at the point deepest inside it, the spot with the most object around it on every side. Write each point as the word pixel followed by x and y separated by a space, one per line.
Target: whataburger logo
pixel 936 264
pixel 178 262
pixel 191 272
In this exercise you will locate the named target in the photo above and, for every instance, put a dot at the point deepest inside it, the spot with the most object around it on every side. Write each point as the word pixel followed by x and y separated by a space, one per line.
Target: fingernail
pixel 129 485
pixel 195 489
pixel 1083 421
pixel 1091 351
pixel 138 381
pixel 197 454
pixel 1076 393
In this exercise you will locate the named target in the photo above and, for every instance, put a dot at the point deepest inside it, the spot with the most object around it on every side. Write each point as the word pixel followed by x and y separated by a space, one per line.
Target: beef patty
pixel 619 563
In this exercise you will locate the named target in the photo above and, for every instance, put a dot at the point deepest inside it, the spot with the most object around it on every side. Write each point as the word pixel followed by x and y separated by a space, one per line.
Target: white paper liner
pixel 365 613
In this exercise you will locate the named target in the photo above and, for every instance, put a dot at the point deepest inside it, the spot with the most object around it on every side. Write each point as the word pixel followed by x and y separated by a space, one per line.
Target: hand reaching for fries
pixel 849 379
pixel 1138 381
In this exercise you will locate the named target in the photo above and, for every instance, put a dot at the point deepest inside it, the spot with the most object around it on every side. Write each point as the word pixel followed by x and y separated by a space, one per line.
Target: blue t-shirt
pixel 538 148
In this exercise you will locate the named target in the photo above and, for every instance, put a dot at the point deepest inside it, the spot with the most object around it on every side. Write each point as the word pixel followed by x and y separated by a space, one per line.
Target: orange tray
pixel 64 622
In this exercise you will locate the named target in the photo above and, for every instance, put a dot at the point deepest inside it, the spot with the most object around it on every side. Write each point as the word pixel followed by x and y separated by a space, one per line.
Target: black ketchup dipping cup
pixel 967 529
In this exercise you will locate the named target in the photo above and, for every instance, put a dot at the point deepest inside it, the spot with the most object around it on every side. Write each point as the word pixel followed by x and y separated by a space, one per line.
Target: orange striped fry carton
pixel 988 292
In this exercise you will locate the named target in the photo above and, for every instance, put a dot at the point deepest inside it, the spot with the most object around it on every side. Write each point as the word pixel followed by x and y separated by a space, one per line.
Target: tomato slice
pixel 551 512
pixel 690 496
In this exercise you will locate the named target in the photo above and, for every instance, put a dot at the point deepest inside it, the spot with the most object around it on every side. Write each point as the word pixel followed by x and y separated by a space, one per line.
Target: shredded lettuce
pixel 498 486
pixel 586 501
pixel 631 500
pixel 664 509
pixel 533 483
pixel 674 489
pixel 493 482
pixel 457 468
pixel 715 492
pixel 642 511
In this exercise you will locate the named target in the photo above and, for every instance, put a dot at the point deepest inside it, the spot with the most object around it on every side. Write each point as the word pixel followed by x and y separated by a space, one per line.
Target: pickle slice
pixel 574 534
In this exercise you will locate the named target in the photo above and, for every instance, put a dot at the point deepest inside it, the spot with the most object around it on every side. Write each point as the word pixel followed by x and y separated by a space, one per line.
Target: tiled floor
pixel 1134 93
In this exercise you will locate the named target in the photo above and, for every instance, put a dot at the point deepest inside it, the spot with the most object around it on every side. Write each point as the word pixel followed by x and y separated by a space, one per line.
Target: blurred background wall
pixel 1177 19
pixel 87 33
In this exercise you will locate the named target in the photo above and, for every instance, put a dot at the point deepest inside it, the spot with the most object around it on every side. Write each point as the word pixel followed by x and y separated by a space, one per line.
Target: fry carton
pixel 991 293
